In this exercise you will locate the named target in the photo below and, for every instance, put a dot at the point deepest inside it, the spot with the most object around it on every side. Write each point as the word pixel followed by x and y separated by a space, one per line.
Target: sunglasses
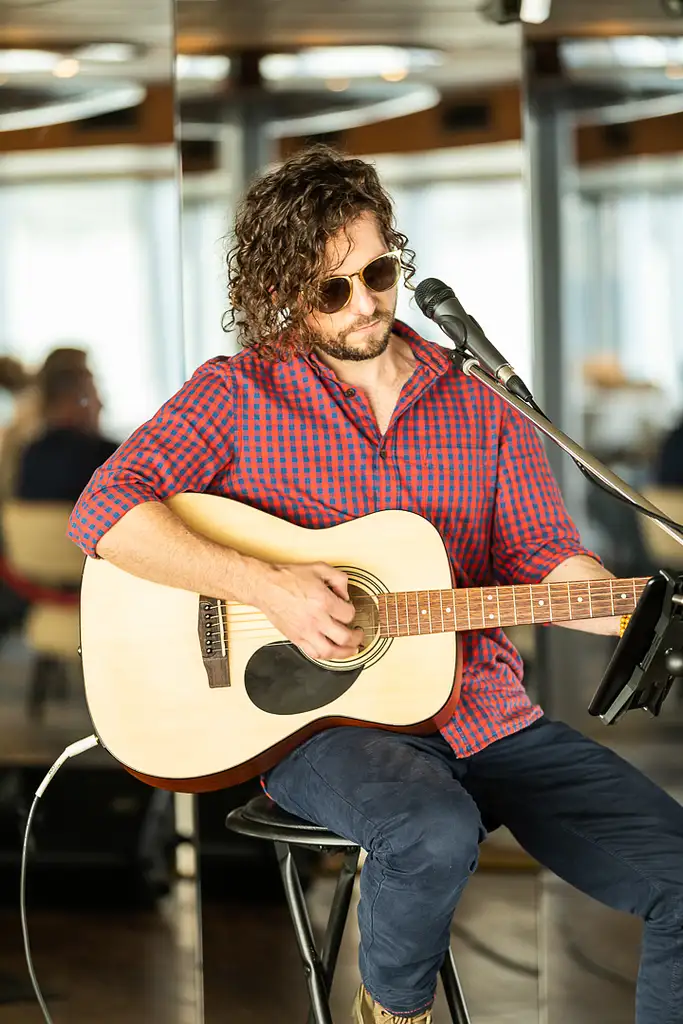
pixel 379 275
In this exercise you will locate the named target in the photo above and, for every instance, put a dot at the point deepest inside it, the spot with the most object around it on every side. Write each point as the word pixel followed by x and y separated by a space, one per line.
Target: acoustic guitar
pixel 190 692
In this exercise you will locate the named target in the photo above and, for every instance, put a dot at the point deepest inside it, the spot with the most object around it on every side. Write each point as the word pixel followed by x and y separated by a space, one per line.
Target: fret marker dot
pixel 490 597
pixel 623 597
pixel 448 609
pixel 579 599
pixel 541 602
pixel 424 611
pixel 491 616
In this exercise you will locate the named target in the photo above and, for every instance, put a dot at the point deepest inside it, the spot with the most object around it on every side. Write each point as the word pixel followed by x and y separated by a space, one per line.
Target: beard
pixel 338 347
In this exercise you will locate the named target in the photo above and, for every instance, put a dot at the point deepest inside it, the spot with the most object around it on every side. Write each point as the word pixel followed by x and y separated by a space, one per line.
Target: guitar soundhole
pixel 281 681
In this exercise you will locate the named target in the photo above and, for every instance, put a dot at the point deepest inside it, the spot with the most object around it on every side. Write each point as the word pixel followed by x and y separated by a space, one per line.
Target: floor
pixel 528 950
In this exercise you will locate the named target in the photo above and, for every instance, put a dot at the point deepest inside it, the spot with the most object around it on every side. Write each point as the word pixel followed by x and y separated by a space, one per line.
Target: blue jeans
pixel 420 813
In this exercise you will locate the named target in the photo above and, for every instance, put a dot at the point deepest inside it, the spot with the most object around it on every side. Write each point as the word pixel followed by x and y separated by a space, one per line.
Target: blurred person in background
pixel 58 463
pixel 16 385
pixel 25 421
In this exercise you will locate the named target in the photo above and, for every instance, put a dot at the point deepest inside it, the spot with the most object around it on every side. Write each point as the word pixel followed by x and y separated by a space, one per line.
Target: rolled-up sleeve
pixel 181 448
pixel 532 530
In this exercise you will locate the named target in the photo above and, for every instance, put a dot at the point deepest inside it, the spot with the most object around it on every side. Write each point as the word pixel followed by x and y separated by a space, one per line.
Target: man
pixel 335 410
pixel 59 463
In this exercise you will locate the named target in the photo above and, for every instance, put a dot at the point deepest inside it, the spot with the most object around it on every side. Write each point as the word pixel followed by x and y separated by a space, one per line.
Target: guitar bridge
pixel 213 640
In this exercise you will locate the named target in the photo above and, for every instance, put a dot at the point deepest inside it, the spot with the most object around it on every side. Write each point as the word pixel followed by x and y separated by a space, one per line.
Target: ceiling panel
pixel 611 16
pixel 476 50
pixel 44 21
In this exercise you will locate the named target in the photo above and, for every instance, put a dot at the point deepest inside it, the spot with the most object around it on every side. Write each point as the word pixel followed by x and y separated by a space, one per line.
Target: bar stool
pixel 263 819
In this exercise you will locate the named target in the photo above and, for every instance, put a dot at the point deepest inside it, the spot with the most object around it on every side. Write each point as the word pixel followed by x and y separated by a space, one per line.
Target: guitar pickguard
pixel 280 680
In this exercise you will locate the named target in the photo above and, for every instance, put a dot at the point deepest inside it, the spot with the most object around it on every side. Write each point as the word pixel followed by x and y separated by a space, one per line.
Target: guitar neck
pixel 410 613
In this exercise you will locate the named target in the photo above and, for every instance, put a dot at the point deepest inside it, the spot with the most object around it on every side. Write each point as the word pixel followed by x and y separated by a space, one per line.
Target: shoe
pixel 367 1011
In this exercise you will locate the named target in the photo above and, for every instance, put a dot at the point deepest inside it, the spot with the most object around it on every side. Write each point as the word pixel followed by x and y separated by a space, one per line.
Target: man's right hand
pixel 310 605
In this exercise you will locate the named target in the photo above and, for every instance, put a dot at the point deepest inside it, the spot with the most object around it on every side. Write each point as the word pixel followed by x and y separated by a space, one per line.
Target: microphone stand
pixel 650 654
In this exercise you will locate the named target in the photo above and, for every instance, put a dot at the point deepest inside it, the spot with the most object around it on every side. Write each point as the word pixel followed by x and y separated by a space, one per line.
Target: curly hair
pixel 278 256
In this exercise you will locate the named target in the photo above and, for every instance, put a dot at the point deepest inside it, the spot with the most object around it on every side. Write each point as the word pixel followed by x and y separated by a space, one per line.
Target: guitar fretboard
pixel 410 613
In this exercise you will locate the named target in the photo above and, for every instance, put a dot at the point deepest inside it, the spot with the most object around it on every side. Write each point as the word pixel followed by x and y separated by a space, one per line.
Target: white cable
pixel 79 747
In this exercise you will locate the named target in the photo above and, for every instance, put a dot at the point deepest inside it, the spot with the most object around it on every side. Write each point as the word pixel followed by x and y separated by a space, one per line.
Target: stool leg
pixel 339 911
pixel 453 989
pixel 315 972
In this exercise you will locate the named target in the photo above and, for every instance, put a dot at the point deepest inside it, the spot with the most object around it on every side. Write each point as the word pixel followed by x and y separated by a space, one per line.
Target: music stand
pixel 649 656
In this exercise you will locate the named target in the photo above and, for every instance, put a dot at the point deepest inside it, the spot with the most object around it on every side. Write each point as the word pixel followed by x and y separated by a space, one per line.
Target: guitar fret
pixel 433 611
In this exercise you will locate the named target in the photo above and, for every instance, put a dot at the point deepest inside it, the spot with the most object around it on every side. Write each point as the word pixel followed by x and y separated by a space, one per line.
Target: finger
pixel 359 638
pixel 339 635
pixel 336 580
pixel 342 611
pixel 322 649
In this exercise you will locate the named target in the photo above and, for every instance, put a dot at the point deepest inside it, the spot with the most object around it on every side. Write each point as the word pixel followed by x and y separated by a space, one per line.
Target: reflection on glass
pixel 90 345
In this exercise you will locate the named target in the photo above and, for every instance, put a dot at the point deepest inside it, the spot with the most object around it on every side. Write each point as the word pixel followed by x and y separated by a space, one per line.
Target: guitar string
pixel 236 608
pixel 414 627
pixel 508 616
pixel 247 621
pixel 244 620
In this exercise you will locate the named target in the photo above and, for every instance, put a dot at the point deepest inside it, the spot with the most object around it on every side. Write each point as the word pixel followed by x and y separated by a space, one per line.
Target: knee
pixel 439 843
pixel 665 909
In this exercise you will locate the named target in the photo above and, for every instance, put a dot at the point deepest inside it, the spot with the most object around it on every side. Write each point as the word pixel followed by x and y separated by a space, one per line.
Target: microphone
pixel 438 302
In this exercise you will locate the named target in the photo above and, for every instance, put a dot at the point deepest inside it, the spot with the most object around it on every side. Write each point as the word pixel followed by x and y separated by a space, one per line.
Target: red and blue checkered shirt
pixel 293 440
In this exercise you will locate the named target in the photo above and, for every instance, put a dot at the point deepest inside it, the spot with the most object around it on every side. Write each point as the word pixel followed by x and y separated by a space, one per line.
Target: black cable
pixel 592 966
pixel 477 946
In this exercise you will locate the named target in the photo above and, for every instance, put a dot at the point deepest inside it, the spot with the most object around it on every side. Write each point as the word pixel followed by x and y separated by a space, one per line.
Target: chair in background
pixel 662 550
pixel 48 568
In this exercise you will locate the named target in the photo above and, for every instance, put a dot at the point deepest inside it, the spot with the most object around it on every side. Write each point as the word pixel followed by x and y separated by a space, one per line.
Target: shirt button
pixel 382 453
pixel 350 392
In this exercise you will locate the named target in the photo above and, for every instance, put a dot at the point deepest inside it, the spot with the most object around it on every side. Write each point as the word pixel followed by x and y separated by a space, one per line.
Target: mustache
pixel 379 317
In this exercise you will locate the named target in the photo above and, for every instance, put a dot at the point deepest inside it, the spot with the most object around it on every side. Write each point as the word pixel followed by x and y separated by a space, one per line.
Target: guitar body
pixel 192 694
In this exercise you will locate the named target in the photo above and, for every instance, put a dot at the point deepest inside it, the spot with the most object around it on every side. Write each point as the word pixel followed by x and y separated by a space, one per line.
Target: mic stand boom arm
pixel 471 368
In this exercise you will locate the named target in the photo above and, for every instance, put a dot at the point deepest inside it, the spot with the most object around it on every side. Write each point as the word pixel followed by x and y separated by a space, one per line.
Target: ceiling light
pixel 395 76
pixel 211 67
pixel 326 62
pixel 66 68
pixel 534 12
pixel 622 52
pixel 18 62
pixel 108 53
pixel 337 84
